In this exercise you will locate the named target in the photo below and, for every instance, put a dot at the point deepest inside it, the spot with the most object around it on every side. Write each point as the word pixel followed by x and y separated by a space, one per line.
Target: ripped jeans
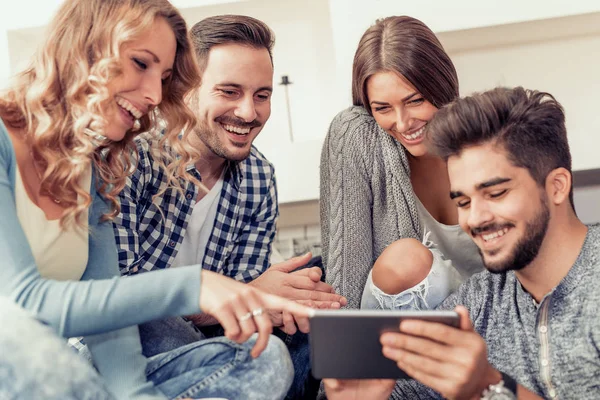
pixel 442 280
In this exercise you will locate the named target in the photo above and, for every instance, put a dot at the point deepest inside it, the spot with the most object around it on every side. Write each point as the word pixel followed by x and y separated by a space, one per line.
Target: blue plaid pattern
pixel 149 232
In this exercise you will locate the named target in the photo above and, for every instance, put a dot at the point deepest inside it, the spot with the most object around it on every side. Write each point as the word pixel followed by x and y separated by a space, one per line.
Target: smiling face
pixel 146 63
pixel 234 99
pixel 500 205
pixel 400 110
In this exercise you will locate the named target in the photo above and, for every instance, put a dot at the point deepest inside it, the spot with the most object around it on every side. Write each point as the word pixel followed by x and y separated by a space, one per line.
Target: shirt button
pixel 544 362
pixel 171 244
pixel 552 393
pixel 188 196
pixel 543 329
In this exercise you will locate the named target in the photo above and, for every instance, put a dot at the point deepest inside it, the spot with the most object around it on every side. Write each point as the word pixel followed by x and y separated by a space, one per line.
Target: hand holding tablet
pixel 345 344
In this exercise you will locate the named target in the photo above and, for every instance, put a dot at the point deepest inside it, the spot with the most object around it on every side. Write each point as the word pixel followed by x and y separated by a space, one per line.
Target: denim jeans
pixel 171 333
pixel 36 364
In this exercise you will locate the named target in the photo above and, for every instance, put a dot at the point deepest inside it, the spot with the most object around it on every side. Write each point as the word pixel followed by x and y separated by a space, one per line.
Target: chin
pixel 417 151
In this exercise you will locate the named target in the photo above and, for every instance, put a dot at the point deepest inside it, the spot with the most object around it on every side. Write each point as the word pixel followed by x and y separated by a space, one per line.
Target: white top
pixel 59 254
pixel 454 243
pixel 199 228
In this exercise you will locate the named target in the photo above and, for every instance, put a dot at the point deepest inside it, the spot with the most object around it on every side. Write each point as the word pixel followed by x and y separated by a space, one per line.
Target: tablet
pixel 345 344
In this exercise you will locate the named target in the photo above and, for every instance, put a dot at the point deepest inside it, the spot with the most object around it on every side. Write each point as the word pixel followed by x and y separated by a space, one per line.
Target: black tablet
pixel 344 344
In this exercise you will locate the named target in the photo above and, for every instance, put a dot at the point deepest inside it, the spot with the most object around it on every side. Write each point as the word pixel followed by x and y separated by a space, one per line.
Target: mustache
pixel 489 228
pixel 237 122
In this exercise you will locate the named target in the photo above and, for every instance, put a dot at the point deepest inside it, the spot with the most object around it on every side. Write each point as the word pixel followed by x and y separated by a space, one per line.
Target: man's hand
pixel 281 280
pixel 358 389
pixel 449 360
pixel 242 309
pixel 304 286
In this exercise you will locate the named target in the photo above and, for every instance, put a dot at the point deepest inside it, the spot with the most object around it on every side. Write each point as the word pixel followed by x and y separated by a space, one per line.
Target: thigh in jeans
pixel 36 364
pixel 220 367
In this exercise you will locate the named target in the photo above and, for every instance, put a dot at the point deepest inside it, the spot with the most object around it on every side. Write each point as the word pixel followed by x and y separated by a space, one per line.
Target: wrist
pixel 501 387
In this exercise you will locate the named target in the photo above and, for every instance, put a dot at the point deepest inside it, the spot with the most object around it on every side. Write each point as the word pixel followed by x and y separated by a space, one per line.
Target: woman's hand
pixel 242 309
pixel 350 389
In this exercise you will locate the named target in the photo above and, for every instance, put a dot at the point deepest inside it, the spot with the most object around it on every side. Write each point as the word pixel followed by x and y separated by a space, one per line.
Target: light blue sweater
pixel 103 307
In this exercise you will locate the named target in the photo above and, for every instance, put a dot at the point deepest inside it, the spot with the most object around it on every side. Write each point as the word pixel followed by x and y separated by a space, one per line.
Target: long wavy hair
pixel 62 99
pixel 407 46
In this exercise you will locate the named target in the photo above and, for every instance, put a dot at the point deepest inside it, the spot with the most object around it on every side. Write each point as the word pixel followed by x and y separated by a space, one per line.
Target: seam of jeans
pixel 192 390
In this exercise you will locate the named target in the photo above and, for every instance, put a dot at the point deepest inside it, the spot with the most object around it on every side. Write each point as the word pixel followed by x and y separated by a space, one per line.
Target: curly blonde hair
pixel 62 99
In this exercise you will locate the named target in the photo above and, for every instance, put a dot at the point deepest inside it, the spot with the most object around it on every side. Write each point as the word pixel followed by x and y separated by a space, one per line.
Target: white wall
pixel 304 52
pixel 567 67
pixel 350 18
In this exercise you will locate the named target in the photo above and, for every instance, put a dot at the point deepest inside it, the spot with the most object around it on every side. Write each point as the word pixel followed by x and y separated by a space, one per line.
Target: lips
pixel 413 136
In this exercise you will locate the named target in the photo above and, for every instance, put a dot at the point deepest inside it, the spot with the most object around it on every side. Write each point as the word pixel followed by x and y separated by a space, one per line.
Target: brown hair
pixel 224 29
pixel 407 46
pixel 529 125
pixel 61 100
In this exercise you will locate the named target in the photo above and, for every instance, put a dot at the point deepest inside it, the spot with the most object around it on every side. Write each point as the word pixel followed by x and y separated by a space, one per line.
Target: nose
pixel 246 109
pixel 402 120
pixel 152 90
pixel 479 214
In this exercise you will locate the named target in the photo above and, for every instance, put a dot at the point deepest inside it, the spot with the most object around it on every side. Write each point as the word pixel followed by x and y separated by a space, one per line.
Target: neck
pixel 209 165
pixel 559 251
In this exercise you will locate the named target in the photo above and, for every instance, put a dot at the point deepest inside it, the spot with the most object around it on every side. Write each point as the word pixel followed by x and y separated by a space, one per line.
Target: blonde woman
pixel 109 69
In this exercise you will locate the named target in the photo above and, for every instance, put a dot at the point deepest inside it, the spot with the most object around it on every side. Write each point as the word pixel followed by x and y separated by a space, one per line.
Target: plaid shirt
pixel 243 230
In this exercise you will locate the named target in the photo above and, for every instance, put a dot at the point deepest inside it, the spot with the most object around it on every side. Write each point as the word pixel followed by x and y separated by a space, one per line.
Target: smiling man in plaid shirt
pixel 229 225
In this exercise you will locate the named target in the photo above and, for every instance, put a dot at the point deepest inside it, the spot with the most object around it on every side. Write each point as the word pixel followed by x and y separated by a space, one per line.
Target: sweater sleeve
pixel 346 205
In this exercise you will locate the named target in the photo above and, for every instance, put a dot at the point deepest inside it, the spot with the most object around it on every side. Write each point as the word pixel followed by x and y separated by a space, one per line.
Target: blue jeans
pixel 36 364
pixel 171 333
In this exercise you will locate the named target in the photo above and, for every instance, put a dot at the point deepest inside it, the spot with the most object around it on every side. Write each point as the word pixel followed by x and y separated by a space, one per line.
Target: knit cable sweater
pixel 367 200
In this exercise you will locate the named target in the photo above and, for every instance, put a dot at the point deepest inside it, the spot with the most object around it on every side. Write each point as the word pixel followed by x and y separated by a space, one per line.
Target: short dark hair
pixel 406 46
pixel 224 29
pixel 528 124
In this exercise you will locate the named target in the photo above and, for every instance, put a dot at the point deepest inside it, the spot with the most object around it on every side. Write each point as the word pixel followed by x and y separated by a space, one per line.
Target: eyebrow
pixel 383 103
pixel 238 86
pixel 154 56
pixel 481 186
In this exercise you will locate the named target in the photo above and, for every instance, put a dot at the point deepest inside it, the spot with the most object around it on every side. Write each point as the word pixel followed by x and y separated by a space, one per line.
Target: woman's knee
pixel 274 364
pixel 402 265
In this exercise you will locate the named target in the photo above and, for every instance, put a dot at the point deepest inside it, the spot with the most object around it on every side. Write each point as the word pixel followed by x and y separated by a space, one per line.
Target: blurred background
pixel 550 45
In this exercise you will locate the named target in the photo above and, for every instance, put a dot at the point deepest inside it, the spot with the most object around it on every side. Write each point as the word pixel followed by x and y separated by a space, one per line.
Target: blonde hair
pixel 61 100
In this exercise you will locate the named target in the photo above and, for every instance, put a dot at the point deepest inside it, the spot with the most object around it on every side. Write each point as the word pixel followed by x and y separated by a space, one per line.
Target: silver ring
pixel 257 312
pixel 245 317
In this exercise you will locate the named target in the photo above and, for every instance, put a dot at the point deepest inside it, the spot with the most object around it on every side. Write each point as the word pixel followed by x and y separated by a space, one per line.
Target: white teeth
pixel 417 134
pixel 129 107
pixel 236 129
pixel 494 235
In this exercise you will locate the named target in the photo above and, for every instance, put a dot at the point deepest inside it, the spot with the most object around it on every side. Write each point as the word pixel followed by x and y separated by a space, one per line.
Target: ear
pixel 558 185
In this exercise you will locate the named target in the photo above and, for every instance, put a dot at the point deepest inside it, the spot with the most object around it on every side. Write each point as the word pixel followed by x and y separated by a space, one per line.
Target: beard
pixel 213 142
pixel 527 248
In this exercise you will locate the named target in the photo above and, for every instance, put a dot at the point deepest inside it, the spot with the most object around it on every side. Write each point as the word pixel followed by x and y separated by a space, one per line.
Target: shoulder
pixel 6 153
pixel 353 123
pixel 354 133
pixel 257 167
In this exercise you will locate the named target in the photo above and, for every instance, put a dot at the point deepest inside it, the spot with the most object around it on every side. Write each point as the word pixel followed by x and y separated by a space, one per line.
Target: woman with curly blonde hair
pixel 107 70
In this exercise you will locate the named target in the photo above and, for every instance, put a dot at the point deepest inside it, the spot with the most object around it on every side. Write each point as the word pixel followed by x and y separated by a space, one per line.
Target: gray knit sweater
pixel 367 200
pixel 552 349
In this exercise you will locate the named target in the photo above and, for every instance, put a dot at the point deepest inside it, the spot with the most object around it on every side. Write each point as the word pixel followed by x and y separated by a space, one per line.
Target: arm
pixel 346 217
pixel 452 361
pixel 76 308
pixel 250 255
